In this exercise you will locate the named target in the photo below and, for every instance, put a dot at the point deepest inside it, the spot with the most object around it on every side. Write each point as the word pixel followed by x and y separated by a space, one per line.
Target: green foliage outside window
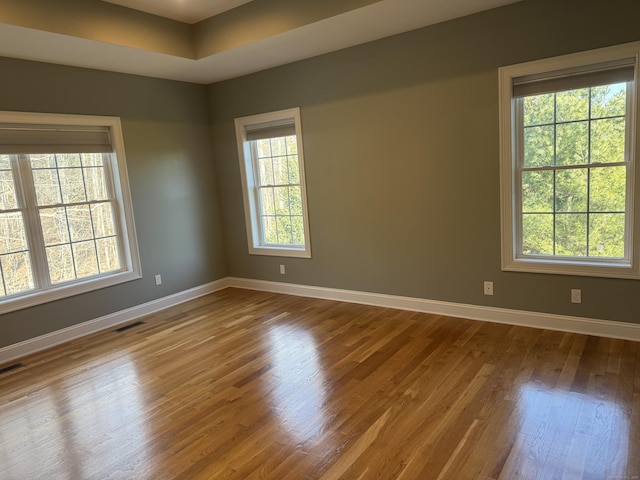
pixel 280 191
pixel 574 175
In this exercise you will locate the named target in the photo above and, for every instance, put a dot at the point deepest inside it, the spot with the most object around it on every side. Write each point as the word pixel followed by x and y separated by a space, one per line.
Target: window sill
pixel 575 268
pixel 281 251
pixel 58 293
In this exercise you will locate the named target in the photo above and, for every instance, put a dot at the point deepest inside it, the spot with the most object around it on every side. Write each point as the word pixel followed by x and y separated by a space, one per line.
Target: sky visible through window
pixel 279 191
pixel 74 211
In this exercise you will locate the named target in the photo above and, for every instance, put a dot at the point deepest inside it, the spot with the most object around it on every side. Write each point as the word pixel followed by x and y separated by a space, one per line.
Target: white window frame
pixel 117 172
pixel 510 195
pixel 249 174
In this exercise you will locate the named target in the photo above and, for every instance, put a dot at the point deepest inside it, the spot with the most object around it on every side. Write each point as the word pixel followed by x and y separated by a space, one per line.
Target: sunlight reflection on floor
pixel 563 434
pixel 298 393
pixel 95 415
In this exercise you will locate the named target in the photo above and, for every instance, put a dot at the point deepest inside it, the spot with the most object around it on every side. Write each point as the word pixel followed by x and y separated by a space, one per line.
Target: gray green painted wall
pixel 401 144
pixel 167 141
pixel 401 151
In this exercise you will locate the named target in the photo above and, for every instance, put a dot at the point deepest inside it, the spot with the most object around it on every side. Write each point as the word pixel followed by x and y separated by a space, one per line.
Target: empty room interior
pixel 304 239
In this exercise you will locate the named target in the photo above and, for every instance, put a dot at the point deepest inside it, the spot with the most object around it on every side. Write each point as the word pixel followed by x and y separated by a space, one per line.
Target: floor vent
pixel 127 327
pixel 8 368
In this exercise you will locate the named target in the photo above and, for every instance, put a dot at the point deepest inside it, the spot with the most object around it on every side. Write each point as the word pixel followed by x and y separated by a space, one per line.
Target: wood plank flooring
pixel 251 385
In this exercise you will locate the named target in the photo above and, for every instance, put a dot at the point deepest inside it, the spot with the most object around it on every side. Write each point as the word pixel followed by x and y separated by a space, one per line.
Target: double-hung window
pixel 66 223
pixel 568 130
pixel 273 183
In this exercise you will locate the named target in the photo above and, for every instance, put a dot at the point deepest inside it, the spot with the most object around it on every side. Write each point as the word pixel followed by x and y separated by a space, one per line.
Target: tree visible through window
pixel 574 173
pixel 65 216
pixel 272 167
pixel 567 160
pixel 15 259
pixel 279 191
pixel 75 216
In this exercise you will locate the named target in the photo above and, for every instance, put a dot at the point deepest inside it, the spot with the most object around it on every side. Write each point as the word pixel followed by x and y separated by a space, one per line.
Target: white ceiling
pixel 378 20
pixel 187 11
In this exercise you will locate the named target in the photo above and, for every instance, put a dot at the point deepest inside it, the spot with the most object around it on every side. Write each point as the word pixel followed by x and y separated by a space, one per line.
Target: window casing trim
pixel 123 211
pixel 511 259
pixel 245 126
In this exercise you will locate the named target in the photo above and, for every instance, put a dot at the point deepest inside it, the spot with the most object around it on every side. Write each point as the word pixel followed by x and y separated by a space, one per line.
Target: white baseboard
pixel 52 339
pixel 563 323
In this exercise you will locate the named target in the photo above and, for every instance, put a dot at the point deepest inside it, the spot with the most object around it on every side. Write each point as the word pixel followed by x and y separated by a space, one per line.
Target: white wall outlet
pixel 576 295
pixel 158 279
pixel 488 288
pixel 282 270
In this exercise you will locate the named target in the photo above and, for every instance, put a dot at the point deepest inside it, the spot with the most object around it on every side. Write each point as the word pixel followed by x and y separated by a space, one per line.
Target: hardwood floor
pixel 250 385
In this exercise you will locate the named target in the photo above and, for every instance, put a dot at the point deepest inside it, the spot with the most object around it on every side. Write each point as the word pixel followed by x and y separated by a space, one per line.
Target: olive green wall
pixel 167 142
pixel 401 144
pixel 401 148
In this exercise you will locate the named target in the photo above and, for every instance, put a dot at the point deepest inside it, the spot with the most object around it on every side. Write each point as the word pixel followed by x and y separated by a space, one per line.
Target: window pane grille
pixel 573 172
pixel 66 219
pixel 76 215
pixel 273 183
pixel 16 274
pixel 279 191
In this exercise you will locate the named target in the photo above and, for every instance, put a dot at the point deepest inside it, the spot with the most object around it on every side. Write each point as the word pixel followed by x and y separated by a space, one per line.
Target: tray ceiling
pixel 205 41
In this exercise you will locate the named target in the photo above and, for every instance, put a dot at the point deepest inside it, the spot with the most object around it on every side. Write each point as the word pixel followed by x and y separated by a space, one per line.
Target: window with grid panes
pixel 569 164
pixel 272 166
pixel 66 225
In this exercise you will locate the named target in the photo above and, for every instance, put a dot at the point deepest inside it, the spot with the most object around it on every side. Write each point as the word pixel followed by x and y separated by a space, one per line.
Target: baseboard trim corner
pixel 563 323
pixel 36 344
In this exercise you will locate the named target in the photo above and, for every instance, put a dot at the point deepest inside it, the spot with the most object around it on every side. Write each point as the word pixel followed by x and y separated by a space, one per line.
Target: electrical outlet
pixel 158 279
pixel 282 270
pixel 576 295
pixel 488 288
